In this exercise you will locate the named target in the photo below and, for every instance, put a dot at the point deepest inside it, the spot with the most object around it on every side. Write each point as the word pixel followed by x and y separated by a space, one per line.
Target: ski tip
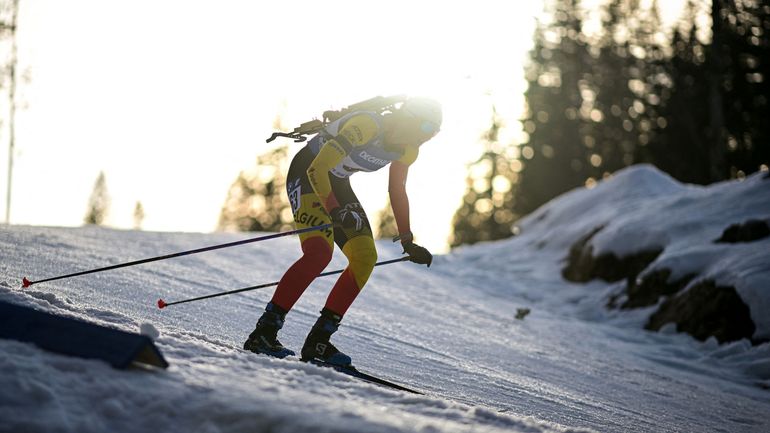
pixel 25 282
pixel 162 304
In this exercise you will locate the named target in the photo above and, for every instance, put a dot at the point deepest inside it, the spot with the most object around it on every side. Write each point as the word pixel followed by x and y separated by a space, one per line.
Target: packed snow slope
pixel 449 330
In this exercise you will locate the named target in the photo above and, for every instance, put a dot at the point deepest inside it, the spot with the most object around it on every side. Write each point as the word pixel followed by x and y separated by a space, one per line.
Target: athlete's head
pixel 425 110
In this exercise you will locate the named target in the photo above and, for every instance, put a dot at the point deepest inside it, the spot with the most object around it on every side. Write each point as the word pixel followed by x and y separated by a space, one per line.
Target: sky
pixel 172 99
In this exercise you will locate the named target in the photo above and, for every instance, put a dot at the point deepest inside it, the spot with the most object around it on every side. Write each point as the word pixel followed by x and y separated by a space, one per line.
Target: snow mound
pixel 148 330
pixel 641 209
pixel 627 192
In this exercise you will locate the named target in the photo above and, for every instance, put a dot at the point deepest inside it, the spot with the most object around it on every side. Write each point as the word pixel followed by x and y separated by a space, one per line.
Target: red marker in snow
pixel 161 304
pixel 25 282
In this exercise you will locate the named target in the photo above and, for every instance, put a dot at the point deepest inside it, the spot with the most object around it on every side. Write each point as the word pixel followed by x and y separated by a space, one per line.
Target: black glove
pixel 417 254
pixel 345 218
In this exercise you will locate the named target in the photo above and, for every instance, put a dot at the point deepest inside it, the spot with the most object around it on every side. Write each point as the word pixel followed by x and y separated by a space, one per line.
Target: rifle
pixel 378 104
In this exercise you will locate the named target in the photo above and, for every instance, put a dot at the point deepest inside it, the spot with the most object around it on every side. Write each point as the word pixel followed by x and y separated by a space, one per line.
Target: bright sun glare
pixel 172 99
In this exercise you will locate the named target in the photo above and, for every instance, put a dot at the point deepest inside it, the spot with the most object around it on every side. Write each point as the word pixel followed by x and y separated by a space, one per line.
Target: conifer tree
pixel 9 18
pixel 257 200
pixel 386 223
pixel 558 154
pixel 588 111
pixel 681 145
pixel 98 202
pixel 486 212
pixel 138 215
pixel 715 102
pixel 739 59
pixel 597 102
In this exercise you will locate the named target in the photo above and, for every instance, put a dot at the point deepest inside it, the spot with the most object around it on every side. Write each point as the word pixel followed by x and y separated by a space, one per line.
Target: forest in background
pixel 691 99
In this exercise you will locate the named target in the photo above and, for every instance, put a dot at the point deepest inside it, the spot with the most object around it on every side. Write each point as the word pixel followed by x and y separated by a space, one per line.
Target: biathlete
pixel 318 185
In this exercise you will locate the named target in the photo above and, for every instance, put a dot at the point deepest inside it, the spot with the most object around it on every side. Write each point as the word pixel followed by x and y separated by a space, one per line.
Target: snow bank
pixel 629 193
pixel 640 209
pixel 643 209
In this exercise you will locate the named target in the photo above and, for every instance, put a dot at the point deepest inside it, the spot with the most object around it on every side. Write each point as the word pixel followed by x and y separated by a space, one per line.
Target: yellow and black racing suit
pixel 318 182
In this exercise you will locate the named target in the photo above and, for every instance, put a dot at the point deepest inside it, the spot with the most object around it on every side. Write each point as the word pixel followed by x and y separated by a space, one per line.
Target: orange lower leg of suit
pixel 317 248
pixel 316 254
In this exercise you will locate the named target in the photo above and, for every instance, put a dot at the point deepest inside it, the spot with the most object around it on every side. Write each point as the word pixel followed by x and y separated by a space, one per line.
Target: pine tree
pixel 99 202
pixel 9 13
pixel 598 102
pixel 625 75
pixel 558 154
pixel 589 111
pixel 715 105
pixel 257 200
pixel 680 146
pixel 386 223
pixel 138 215
pixel 486 212
pixel 739 61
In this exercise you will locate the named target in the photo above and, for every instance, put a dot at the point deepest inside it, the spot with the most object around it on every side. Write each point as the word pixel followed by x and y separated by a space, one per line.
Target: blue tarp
pixel 77 338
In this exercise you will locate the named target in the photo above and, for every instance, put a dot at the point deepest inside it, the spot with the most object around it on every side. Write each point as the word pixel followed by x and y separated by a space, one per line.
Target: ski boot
pixel 263 338
pixel 317 345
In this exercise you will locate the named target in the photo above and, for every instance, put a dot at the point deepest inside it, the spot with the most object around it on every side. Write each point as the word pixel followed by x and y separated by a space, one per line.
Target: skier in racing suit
pixel 319 191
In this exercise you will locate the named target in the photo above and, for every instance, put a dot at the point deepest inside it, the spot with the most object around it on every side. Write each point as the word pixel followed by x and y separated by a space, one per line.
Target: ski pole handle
pixel 27 283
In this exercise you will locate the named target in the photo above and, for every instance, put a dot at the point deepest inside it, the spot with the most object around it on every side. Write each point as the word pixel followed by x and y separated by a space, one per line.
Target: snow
pixel 148 330
pixel 641 208
pixel 449 330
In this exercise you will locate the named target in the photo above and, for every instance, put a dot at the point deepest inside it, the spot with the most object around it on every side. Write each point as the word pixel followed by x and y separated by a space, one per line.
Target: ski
pixel 354 372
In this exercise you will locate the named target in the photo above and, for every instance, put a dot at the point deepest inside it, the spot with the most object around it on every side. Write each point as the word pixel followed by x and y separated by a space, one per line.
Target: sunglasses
pixel 428 127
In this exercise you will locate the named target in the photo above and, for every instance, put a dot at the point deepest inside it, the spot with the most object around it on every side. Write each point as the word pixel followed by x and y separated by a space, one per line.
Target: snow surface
pixel 570 365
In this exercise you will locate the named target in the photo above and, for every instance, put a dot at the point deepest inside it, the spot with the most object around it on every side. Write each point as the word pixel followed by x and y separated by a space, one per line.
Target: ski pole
pixel 27 283
pixel 163 304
